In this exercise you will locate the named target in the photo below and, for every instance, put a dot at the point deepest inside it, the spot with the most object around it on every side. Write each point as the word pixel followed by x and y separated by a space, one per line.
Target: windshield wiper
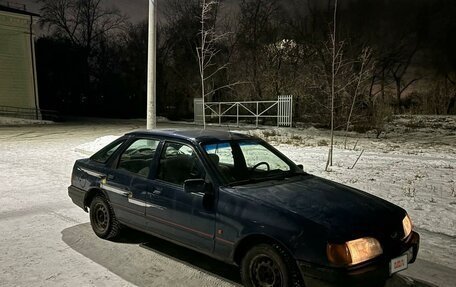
pixel 243 182
pixel 281 176
pixel 277 176
pixel 284 175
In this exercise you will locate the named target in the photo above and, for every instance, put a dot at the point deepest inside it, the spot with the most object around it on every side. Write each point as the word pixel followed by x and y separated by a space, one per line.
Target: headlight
pixel 354 252
pixel 407 225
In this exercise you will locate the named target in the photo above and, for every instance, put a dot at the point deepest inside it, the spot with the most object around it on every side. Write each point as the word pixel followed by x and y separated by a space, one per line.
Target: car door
pixel 125 181
pixel 189 218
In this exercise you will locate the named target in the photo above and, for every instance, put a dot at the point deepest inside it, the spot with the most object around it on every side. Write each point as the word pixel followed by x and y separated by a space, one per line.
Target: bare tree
pixel 336 63
pixel 208 50
pixel 398 70
pixel 360 78
pixel 82 22
pixel 451 107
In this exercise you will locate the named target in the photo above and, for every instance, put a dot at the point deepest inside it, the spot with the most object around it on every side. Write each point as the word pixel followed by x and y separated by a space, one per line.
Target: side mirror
pixel 195 186
pixel 301 166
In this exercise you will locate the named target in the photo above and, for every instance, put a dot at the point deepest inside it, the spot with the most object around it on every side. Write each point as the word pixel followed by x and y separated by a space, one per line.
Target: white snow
pixel 424 186
pixel 94 146
pixel 8 121
pixel 46 239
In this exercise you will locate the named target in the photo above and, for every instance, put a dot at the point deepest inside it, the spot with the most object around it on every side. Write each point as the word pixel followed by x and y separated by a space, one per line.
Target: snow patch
pixel 94 146
pixel 7 121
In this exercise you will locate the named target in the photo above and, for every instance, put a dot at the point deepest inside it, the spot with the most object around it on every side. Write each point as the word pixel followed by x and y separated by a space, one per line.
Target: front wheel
pixel 102 218
pixel 268 266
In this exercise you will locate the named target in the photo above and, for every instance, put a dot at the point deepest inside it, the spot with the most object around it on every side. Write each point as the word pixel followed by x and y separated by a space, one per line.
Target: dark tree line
pixel 395 57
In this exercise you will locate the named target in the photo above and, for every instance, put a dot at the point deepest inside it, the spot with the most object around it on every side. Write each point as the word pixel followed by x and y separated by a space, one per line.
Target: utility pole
pixel 151 67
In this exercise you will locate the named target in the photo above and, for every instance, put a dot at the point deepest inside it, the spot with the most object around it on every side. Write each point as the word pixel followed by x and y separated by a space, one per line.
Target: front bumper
pixel 370 274
pixel 77 196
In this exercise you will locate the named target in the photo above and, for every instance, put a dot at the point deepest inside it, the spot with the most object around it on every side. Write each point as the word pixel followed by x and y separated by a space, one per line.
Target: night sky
pixel 136 10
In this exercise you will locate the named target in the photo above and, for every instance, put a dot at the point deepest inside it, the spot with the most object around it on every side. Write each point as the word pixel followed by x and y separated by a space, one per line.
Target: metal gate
pixel 285 111
pixel 280 110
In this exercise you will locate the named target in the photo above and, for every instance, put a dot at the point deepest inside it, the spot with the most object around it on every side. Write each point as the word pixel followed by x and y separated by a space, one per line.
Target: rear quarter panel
pixel 87 174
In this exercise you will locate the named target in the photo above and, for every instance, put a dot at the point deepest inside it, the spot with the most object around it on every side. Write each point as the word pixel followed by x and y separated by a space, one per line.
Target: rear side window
pixel 105 153
pixel 137 158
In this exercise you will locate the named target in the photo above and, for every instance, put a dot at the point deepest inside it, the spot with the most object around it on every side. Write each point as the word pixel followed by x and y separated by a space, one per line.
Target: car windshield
pixel 243 162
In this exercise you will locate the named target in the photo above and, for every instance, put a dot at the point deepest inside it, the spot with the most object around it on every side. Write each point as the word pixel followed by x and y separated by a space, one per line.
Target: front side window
pixel 222 156
pixel 179 162
pixel 137 158
pixel 220 153
pixel 258 157
pixel 248 161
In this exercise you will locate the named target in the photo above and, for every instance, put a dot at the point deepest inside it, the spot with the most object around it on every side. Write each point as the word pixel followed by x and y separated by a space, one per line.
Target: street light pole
pixel 151 67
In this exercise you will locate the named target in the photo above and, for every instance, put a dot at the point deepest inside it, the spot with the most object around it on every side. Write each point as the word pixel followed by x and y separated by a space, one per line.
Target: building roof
pixel 194 135
pixel 17 11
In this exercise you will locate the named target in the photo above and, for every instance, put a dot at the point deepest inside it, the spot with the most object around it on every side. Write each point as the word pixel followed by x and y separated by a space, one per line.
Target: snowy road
pixel 47 241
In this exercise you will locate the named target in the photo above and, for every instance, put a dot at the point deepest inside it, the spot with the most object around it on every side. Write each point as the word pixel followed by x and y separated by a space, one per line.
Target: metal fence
pixel 28 113
pixel 279 111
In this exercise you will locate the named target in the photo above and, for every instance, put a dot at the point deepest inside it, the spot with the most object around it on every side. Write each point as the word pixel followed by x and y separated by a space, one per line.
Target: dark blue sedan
pixel 236 198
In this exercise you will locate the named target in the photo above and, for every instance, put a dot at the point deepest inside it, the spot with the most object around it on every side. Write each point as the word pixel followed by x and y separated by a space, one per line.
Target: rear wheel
pixel 102 218
pixel 267 265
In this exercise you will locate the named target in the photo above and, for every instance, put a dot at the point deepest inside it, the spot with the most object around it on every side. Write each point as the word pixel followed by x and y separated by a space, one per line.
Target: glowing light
pixel 354 251
pixel 407 225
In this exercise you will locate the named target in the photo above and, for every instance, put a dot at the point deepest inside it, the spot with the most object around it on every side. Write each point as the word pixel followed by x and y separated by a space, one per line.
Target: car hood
pixel 345 212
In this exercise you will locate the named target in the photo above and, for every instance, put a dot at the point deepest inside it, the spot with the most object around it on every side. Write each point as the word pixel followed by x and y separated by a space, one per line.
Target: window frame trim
pixel 121 140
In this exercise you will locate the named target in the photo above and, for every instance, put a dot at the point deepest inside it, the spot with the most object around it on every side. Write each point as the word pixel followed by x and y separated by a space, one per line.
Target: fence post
pixel 291 111
pixel 256 114
pixel 237 114
pixel 279 106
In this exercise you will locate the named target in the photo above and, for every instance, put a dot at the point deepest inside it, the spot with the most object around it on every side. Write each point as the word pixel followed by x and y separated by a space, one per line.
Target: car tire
pixel 102 218
pixel 269 265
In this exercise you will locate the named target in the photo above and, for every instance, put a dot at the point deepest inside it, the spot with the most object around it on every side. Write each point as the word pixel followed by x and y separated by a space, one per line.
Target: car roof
pixel 195 135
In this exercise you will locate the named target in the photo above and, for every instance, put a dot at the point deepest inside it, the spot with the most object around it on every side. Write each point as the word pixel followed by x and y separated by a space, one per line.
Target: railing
pixel 280 110
pixel 14 5
pixel 28 113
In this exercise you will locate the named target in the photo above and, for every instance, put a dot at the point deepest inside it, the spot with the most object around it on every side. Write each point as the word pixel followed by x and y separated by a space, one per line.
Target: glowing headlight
pixel 407 225
pixel 354 252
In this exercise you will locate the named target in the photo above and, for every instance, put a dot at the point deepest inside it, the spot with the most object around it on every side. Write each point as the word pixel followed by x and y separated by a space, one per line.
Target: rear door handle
pixel 156 192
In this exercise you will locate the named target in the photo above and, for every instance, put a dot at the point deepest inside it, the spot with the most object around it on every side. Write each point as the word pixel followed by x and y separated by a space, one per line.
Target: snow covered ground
pixel 8 121
pixel 412 164
pixel 46 240
pixel 414 168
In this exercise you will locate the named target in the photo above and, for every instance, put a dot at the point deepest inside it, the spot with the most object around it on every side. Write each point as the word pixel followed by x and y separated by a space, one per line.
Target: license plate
pixel 398 264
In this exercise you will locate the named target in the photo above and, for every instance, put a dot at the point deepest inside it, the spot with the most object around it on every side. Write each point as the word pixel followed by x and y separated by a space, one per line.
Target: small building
pixel 18 81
